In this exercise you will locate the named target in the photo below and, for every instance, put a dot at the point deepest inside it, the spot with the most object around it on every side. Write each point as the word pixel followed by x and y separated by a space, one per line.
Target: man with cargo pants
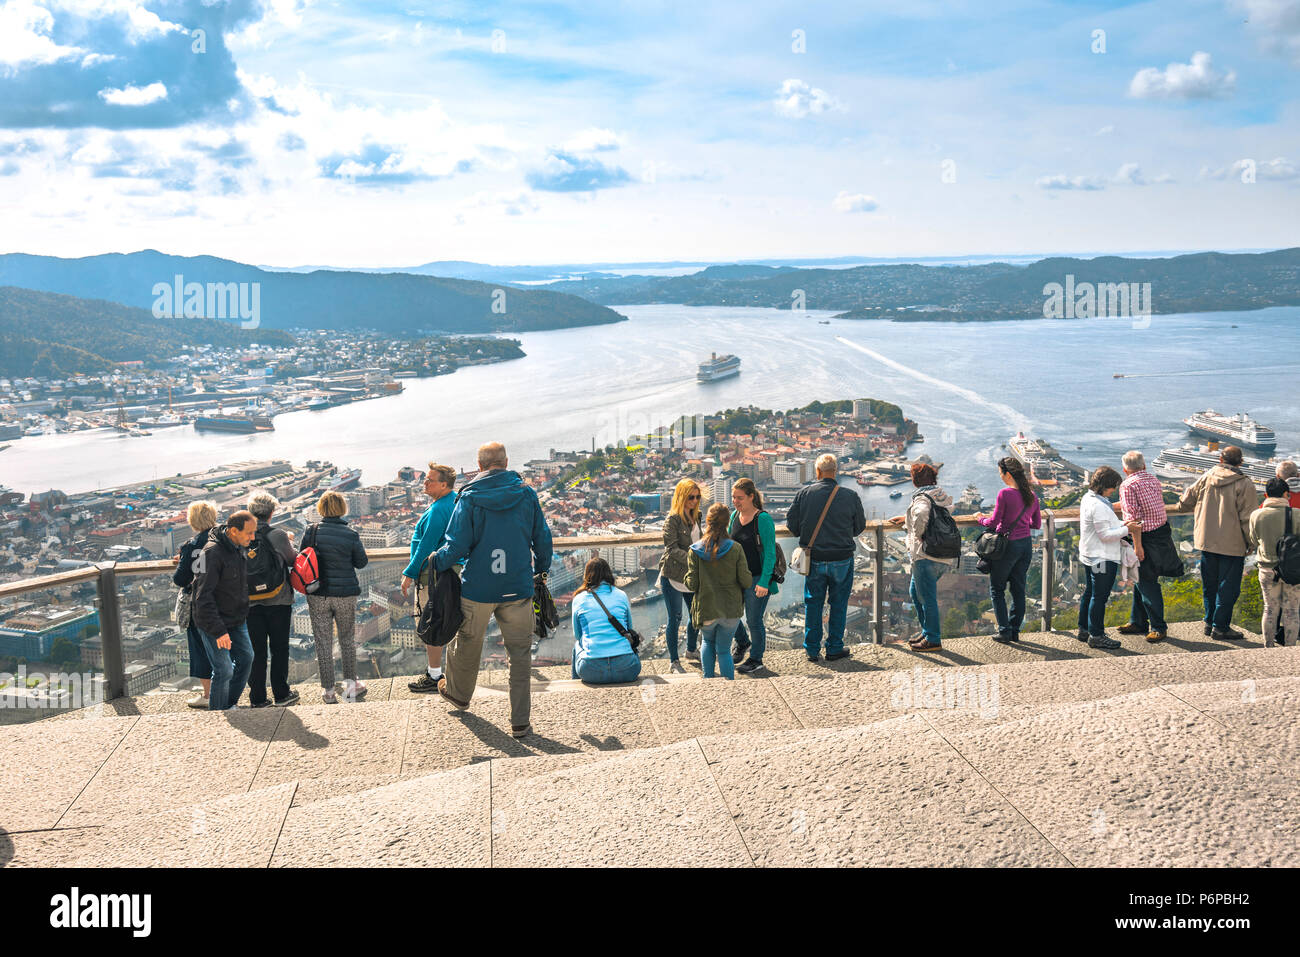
pixel 498 531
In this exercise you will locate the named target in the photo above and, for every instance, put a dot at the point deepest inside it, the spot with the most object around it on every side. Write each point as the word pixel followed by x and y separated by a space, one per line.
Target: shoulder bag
pixel 632 635
pixel 801 558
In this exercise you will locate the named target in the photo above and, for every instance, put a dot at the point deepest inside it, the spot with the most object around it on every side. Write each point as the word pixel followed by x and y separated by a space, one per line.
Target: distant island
pixel 1199 282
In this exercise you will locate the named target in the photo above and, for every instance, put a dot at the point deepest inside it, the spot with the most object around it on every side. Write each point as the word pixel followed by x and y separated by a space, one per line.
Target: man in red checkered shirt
pixel 1142 499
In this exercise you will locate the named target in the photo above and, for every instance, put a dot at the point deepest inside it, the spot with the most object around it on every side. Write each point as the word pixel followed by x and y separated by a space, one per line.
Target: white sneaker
pixel 328 696
pixel 199 701
pixel 354 691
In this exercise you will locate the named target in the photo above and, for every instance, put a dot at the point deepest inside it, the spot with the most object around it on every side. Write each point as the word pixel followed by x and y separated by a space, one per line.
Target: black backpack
pixel 941 539
pixel 1288 554
pixel 266 567
pixel 779 567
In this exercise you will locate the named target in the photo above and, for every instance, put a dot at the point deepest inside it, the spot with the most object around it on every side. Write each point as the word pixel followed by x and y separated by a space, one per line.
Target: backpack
pixel 779 567
pixel 266 566
pixel 305 576
pixel 439 619
pixel 941 539
pixel 545 616
pixel 1288 554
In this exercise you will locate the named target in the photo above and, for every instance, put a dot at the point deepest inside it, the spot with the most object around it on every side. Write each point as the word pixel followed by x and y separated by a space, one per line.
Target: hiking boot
pixel 290 698
pixel 424 685
pixel 1226 634
pixel 838 655
pixel 814 658
pixel 442 690
pixel 738 655
pixel 1082 634
pixel 1003 638
pixel 926 645
pixel 1103 641
pixel 692 655
pixel 1131 629
pixel 1155 636
pixel 1209 629
pixel 264 703
pixel 750 666
pixel 525 731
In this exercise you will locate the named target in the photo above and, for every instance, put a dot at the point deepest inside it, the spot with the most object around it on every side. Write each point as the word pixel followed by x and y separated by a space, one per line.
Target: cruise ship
pixel 1043 463
pixel 234 423
pixel 1238 429
pixel 1191 461
pixel 341 481
pixel 719 367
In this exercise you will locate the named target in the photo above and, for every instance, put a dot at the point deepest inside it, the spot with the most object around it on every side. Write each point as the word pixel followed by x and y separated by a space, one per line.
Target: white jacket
pixel 1100 531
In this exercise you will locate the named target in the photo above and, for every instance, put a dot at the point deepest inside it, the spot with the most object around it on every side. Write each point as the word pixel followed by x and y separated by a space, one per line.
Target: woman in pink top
pixel 1015 514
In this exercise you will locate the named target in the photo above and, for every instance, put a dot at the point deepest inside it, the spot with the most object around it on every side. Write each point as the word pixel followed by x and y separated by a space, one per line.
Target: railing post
pixel 110 632
pixel 1049 567
pixel 878 586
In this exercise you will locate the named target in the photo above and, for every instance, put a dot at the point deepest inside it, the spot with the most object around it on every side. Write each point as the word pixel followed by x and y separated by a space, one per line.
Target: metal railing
pixel 106 574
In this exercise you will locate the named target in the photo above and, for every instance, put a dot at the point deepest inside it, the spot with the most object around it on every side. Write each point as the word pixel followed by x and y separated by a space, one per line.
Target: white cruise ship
pixel 719 367
pixel 1238 429
pixel 1191 461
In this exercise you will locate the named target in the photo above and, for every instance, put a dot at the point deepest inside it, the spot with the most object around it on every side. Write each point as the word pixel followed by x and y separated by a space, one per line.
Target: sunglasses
pixel 692 498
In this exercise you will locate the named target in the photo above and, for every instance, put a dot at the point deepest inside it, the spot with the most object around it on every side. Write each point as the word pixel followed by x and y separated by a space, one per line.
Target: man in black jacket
pixel 831 568
pixel 221 608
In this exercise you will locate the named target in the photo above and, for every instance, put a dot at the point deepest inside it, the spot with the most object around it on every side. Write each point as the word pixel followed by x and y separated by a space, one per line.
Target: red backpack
pixel 305 574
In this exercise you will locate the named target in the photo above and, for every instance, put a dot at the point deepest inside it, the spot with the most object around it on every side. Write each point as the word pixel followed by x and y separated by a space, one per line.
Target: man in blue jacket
pixel 498 531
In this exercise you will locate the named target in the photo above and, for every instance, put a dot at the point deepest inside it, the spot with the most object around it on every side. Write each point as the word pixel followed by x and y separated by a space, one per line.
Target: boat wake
pixel 1015 420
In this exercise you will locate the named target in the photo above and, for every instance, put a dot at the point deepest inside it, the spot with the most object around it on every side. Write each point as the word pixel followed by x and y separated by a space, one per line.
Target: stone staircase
pixel 1043 754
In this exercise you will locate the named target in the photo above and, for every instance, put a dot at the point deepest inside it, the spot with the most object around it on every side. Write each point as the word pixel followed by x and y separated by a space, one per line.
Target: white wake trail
pixel 1017 421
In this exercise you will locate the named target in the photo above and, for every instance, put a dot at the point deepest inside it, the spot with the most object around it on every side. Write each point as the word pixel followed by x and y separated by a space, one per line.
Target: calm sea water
pixel 969 386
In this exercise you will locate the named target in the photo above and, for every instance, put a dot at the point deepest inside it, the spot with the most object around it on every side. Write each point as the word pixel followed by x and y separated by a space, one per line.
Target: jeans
pixel 1092 603
pixel 1148 601
pixel 230 667
pixel 607 671
pixel 715 645
pixel 756 636
pixel 673 601
pixel 200 666
pixel 1010 572
pixel 1220 586
pixel 269 624
pixel 833 580
pixel 925 595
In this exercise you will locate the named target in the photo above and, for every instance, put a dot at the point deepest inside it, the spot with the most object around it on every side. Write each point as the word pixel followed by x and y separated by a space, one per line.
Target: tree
pixel 64 653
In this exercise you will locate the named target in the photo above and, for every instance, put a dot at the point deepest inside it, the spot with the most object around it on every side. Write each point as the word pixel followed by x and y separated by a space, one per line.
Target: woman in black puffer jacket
pixel 340 553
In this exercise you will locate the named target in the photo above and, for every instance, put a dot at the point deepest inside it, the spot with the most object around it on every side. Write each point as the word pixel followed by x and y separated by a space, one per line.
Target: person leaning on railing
pixel 926 569
pixel 1101 536
pixel 221 608
pixel 340 553
pixel 1143 500
pixel 202 516
pixel 1015 515
pixel 601 655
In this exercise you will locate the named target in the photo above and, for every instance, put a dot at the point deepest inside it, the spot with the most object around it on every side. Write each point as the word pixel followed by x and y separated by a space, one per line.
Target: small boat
pixel 827 322
pixel 895 494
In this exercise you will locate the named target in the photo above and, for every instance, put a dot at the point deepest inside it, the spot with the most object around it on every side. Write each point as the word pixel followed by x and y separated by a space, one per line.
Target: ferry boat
pixel 1192 461
pixel 234 423
pixel 719 367
pixel 1043 463
pixel 340 481
pixel 1238 429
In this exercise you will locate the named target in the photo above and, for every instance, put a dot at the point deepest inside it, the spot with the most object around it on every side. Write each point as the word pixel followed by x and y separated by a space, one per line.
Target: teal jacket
pixel 766 538
pixel 430 533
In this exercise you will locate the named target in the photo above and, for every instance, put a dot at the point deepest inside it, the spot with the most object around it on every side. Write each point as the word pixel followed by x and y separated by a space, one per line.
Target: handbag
pixel 631 634
pixel 991 546
pixel 184 608
pixel 801 558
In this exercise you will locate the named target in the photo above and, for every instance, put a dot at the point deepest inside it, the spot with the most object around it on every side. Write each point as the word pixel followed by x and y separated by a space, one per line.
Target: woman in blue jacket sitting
pixel 602 656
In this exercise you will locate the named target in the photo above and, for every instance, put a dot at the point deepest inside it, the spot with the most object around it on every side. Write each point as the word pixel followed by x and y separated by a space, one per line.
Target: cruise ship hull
pixel 1228 437
pixel 259 423
pixel 715 376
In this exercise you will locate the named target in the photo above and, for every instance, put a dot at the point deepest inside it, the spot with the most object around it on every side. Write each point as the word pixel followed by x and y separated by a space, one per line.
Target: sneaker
pixel 1226 634
pixel 525 731
pixel 1082 634
pixel 355 692
pixel 749 667
pixel 290 698
pixel 814 658
pixel 328 696
pixel 1003 638
pixel 692 656
pixel 442 690
pixel 675 667
pixel 1209 629
pixel 1103 641
pixel 264 703
pixel 838 655
pixel 1132 629
pixel 425 685
pixel 199 701
pixel 738 655
pixel 1155 636
pixel 1015 636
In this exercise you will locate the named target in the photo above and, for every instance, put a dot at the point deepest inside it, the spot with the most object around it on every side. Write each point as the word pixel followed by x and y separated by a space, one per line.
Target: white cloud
pixel 1197 80
pixel 1279 168
pixel 24 35
pixel 797 99
pixel 1105 130
pixel 134 95
pixel 1061 181
pixel 595 140
pixel 847 202
pixel 1278 22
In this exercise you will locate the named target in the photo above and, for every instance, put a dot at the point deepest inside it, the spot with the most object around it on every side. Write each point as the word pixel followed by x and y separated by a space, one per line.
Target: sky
pixel 367 133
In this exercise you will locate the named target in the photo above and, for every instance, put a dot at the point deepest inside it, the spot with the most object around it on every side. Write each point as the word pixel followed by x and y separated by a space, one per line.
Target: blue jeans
pixel 1220 586
pixel 756 636
pixel 925 595
pixel 673 601
pixel 833 580
pixel 607 671
pixel 200 666
pixel 1010 572
pixel 1096 591
pixel 230 668
pixel 715 646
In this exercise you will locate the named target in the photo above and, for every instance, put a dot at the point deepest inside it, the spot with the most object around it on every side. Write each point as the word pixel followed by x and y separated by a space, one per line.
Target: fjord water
pixel 970 386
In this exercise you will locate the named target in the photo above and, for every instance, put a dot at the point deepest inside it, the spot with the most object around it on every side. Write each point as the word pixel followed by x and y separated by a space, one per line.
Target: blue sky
pixel 373 133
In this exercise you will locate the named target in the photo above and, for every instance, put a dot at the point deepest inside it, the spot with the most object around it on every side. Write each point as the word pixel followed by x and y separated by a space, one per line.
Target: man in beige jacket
pixel 1224 499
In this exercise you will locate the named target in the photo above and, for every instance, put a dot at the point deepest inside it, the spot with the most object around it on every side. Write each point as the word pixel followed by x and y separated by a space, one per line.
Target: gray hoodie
pixel 917 520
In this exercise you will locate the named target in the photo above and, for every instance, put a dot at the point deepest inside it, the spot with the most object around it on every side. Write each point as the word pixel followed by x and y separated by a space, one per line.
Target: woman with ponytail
pixel 1015 514
pixel 717 574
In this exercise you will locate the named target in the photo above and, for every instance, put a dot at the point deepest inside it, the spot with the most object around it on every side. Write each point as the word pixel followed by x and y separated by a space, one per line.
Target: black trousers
pixel 269 625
